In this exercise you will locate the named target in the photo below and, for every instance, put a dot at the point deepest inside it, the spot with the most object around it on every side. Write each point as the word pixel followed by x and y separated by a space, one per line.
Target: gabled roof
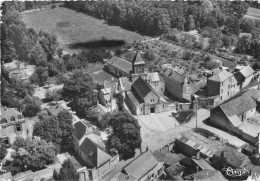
pixel 141 165
pixel 79 130
pixel 246 71
pixel 142 88
pixel 232 156
pixel 94 153
pixel 133 99
pixel 120 63
pixel 174 75
pixel 238 105
pixel 207 175
pixel 221 76
pixel 138 59
pixel 96 139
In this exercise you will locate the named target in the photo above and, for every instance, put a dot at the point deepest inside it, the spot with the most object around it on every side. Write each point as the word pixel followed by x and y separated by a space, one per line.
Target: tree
pixel 40 76
pixel 104 121
pixel 56 130
pixel 226 41
pixel 247 25
pixel 126 134
pixel 244 44
pixel 31 110
pixel 3 150
pixel 232 25
pixel 211 65
pixel 65 124
pixel 53 95
pixel 31 154
pixel 190 23
pixel 149 55
pixel 68 172
pixel 79 89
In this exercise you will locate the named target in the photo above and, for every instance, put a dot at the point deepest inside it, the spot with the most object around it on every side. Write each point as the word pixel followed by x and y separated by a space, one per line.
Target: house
pixel 144 99
pixel 121 67
pixel 179 85
pixel 222 85
pixel 143 167
pixel 90 147
pixel 233 115
pixel 12 125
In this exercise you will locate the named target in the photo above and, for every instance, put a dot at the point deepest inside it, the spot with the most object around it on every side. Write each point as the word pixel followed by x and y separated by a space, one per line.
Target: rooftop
pixel 120 63
pixel 251 128
pixel 9 113
pixel 153 77
pixel 207 175
pixel 125 83
pixel 138 59
pixel 128 55
pixel 221 76
pixel 246 71
pixel 141 87
pixel 133 99
pixel 141 165
pixel 174 169
pixel 232 156
pixel 197 141
pixel 174 75
pixel 238 105
pixel 94 152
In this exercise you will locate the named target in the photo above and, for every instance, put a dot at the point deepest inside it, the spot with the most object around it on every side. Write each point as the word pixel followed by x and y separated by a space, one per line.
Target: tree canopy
pixel 126 136
pixel 68 172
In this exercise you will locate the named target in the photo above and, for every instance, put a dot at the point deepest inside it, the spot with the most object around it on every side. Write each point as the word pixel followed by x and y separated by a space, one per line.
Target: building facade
pixel 12 125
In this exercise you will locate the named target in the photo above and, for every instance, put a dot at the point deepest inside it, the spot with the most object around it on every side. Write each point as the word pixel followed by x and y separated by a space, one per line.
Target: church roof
pixel 138 59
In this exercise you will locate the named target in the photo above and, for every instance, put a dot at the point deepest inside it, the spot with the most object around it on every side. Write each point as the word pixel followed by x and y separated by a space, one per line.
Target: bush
pixel 187 55
pixel 211 65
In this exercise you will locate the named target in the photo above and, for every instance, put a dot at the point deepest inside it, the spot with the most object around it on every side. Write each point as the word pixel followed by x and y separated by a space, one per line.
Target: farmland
pixel 72 27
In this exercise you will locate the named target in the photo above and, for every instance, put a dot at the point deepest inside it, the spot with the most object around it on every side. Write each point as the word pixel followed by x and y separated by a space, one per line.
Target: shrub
pixel 149 55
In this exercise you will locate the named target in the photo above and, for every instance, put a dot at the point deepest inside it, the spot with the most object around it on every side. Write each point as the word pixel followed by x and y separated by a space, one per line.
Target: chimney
pixel 198 154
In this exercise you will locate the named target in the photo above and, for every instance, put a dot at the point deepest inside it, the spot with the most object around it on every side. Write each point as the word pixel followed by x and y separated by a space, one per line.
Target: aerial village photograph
pixel 130 90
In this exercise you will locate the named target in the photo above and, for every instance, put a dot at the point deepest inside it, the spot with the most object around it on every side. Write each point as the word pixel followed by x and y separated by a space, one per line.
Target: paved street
pixel 156 133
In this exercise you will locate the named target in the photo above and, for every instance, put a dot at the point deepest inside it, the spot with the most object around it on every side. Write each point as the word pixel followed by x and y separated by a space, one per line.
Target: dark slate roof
pixel 238 105
pixel 133 99
pixel 239 77
pixel 120 63
pixel 138 59
pixel 141 165
pixel 94 152
pixel 254 93
pixel 206 175
pixel 177 77
pixel 141 88
pixel 232 156
pixel 79 130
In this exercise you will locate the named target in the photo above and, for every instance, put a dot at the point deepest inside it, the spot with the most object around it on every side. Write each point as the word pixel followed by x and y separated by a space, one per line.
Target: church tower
pixel 138 64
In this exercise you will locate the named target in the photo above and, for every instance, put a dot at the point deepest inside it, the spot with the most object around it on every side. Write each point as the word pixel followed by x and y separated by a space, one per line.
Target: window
pixel 228 93
pixel 141 109
pixel 229 86
pixel 221 91
pixel 18 127
pixel 221 98
pixel 151 100
pixel 163 106
pixel 6 140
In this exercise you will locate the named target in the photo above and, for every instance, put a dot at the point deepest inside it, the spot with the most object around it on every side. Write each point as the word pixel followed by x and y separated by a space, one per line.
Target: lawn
pixel 73 27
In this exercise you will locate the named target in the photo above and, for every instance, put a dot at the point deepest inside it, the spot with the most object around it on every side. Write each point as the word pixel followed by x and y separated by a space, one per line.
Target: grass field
pixel 253 13
pixel 73 27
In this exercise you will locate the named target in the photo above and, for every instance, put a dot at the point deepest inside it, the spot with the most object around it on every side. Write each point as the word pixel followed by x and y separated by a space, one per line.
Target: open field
pixel 72 27
pixel 253 13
